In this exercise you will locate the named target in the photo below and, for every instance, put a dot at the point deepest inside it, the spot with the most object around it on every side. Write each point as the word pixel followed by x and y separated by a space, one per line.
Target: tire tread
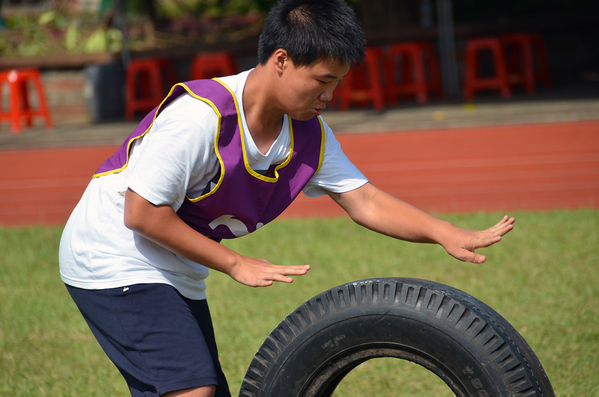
pixel 504 348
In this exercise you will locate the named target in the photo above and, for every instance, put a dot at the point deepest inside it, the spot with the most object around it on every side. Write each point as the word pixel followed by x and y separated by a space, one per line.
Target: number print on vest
pixel 237 227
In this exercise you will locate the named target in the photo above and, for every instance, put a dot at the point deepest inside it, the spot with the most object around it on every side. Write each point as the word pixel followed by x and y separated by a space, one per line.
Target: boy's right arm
pixel 162 225
pixel 379 211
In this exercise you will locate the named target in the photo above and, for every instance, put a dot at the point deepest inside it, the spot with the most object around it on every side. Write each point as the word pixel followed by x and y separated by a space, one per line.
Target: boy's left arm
pixel 379 211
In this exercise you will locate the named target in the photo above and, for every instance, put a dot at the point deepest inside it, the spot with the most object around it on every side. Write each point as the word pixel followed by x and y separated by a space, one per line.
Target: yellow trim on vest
pixel 218 114
pixel 243 146
pixel 278 167
pixel 322 142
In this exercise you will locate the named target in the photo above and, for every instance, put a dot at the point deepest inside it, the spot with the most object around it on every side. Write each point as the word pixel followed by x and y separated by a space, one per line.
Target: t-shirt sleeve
pixel 176 156
pixel 337 173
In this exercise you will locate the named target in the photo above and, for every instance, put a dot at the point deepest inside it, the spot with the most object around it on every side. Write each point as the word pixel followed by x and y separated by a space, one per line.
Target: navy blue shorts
pixel 159 340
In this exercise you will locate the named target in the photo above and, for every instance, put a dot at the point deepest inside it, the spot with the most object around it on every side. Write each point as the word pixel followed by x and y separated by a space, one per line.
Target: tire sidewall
pixel 404 329
pixel 450 333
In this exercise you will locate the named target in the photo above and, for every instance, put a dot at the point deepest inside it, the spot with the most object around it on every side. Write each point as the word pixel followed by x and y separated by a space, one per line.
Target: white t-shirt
pixel 174 159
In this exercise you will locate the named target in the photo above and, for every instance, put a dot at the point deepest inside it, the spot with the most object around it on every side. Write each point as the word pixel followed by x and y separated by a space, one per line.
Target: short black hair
pixel 312 31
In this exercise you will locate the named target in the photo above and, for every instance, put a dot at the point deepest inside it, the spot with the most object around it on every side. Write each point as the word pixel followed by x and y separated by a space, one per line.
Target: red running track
pixel 495 168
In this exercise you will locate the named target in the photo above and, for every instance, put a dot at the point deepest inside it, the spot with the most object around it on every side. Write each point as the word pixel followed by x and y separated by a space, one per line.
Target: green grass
pixel 543 278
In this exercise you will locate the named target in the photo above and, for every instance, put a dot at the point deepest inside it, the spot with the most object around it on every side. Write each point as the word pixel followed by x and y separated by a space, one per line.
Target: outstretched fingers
pixel 465 242
pixel 495 233
pixel 503 226
pixel 282 273
pixel 260 273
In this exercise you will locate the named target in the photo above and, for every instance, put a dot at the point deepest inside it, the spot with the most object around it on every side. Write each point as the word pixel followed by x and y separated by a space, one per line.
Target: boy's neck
pixel 263 118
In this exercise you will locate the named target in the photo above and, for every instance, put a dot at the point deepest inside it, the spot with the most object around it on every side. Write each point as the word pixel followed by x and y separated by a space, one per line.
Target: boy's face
pixel 305 90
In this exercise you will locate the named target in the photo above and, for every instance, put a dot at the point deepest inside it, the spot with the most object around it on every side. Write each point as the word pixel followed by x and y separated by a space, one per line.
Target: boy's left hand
pixel 462 243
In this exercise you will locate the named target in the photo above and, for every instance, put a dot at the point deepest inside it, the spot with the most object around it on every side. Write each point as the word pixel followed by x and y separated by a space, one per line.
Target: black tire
pixel 474 350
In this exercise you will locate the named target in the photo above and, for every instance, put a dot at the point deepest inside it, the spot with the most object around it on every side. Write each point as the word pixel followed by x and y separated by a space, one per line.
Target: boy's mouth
pixel 317 111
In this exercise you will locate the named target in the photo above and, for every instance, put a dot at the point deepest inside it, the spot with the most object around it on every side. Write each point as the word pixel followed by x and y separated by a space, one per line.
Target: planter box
pixel 57 61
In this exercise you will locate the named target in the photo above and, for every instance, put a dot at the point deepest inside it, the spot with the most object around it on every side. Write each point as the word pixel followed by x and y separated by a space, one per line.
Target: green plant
pixel 56 32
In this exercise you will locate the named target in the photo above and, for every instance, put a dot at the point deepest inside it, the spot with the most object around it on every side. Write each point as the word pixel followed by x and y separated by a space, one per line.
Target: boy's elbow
pixel 362 216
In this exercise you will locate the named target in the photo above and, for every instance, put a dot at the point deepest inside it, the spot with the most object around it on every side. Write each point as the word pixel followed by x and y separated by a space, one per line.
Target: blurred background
pixel 82 73
pixel 81 45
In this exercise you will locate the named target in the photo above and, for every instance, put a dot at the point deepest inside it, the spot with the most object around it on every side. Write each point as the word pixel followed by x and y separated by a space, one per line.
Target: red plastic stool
pixel 145 84
pixel 472 81
pixel 213 64
pixel 520 61
pixel 20 108
pixel 419 69
pixel 363 84
pixel 521 66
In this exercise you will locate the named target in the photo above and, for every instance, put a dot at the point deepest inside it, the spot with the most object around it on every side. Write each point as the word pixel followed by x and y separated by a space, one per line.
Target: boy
pixel 219 159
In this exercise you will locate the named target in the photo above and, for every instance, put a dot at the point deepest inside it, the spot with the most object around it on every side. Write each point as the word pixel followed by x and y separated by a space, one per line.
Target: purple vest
pixel 242 200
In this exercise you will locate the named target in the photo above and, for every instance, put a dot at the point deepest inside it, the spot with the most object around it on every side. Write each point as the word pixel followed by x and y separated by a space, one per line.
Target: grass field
pixel 543 278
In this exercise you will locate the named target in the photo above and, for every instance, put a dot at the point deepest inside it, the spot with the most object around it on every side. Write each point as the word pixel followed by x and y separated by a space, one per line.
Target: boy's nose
pixel 326 96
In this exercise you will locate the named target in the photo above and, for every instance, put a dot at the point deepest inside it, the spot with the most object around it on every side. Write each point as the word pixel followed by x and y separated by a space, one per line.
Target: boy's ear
pixel 280 59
